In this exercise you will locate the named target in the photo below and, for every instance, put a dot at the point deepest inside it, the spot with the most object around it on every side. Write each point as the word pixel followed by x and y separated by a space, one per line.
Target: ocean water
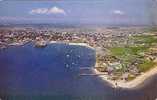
pixel 53 73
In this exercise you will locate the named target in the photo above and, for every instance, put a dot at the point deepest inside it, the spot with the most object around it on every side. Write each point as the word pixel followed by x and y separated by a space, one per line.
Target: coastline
pixel 72 43
pixel 115 84
pixel 131 84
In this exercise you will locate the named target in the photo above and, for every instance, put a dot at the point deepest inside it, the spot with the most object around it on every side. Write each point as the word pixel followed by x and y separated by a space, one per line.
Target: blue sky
pixel 135 12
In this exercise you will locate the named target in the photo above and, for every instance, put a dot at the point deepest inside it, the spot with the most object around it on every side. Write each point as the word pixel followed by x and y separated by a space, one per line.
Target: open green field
pixel 135 54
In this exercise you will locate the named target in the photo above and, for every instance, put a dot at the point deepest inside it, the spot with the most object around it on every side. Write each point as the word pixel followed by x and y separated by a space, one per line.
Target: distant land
pixel 72 25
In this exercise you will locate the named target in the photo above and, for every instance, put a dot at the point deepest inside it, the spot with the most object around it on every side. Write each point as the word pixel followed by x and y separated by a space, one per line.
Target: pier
pixel 91 74
pixel 90 68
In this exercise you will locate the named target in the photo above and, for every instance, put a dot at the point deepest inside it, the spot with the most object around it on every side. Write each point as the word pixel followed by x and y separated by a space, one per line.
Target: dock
pixel 86 68
pixel 91 74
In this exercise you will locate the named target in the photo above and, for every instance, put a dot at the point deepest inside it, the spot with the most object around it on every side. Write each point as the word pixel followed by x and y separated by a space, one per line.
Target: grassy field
pixel 146 65
pixel 131 54
pixel 127 51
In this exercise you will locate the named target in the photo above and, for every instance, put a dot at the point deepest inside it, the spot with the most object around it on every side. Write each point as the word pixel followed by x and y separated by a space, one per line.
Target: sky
pixel 109 12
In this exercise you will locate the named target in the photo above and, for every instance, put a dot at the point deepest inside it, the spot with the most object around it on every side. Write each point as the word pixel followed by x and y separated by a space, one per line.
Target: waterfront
pixel 53 73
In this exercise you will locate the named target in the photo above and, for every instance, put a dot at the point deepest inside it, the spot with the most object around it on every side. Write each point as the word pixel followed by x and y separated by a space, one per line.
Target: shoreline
pixel 115 84
pixel 131 84
pixel 72 43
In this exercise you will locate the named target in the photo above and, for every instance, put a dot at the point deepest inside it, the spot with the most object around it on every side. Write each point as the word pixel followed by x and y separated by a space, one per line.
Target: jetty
pixel 92 74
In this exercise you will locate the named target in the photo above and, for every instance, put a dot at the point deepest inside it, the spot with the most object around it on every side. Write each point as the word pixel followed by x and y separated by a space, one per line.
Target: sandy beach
pixel 131 84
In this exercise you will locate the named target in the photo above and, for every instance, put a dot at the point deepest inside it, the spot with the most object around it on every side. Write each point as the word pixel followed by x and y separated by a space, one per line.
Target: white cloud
pixel 1 0
pixel 53 10
pixel 39 11
pixel 56 10
pixel 118 12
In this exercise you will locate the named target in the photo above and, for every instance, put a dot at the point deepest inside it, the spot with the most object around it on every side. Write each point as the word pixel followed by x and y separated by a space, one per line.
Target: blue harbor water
pixel 53 73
